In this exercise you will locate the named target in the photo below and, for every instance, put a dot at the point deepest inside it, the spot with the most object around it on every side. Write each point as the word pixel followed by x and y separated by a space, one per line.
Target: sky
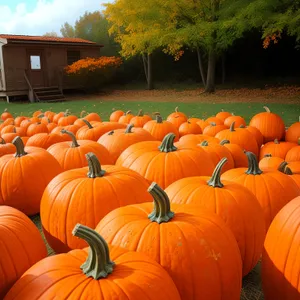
pixel 36 17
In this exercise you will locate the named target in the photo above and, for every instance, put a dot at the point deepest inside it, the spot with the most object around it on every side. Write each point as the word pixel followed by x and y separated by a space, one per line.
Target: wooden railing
pixel 31 92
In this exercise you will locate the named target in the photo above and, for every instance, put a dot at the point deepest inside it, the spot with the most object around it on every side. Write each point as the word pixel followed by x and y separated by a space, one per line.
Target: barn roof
pixel 46 39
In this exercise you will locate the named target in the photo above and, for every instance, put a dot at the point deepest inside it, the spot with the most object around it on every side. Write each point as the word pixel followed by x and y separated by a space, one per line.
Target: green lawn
pixel 289 112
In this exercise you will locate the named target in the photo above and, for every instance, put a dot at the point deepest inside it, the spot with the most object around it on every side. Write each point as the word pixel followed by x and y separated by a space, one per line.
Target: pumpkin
pixel 9 121
pixel 294 166
pixel 125 119
pixel 269 124
pixel 273 190
pixel 189 128
pixel 35 128
pixel 90 116
pixel 71 155
pixel 280 260
pixel 194 139
pixel 94 132
pixel 159 128
pixel 257 134
pixel 18 120
pixel 270 163
pixel 276 148
pixel 115 116
pixel 6 148
pixel 203 124
pixel 239 136
pixel 293 154
pixel 107 273
pixel 237 120
pixel 213 129
pixel 163 162
pixel 235 204
pixel 193 120
pixel 21 246
pixel 50 115
pixel 177 118
pixel 284 168
pixel 215 120
pixel 223 115
pixel 5 115
pixel 87 195
pixel 37 113
pixel 8 137
pixel 239 158
pixel 59 115
pixel 140 120
pixel 44 140
pixel 116 141
pixel 292 134
pixel 66 120
pixel 26 123
pixel 24 176
pixel 71 128
pixel 181 238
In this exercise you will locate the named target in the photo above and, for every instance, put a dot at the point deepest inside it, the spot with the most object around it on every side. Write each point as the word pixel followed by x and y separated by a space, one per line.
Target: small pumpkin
pixel 140 119
pixel 203 124
pixel 215 120
pixel 292 134
pixel 177 118
pixel 6 114
pixel 18 120
pixel 270 163
pixel 223 115
pixel 194 139
pixel 276 148
pixel 293 154
pixel 90 116
pixel 284 168
pixel 6 148
pixel 35 128
pixel 67 119
pixel 107 273
pixel 237 120
pixel 87 195
pixel 125 119
pixel 115 115
pixel 213 129
pixel 189 128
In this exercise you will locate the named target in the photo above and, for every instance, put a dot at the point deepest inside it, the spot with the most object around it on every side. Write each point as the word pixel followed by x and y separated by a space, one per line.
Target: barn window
pixel 73 56
pixel 35 62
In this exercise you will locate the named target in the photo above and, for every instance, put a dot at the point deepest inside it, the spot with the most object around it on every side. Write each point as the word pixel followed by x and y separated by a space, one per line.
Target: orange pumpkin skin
pixel 50 115
pixel 8 129
pixel 140 120
pixel 223 115
pixel 203 124
pixel 294 166
pixel 6 115
pixel 58 129
pixel 6 148
pixel 67 120
pixel 213 129
pixel 189 128
pixel 21 246
pixel 269 124
pixel 237 153
pixel 180 242
pixel 238 121
pixel 25 177
pixel 44 140
pixel 19 119
pixel 125 119
pixel 115 116
pixel 293 133
pixel 177 118
pixel 159 128
pixel 163 162
pixel 69 197
pixel 36 128
pixel 60 277
pixel 235 204
pixel 193 120
pixel 280 260
pixel 93 117
pixel 273 190
pixel 8 137
pixel 276 148
pixel 57 116
pixel 293 154
pixel 194 139
pixel 215 120
pixel 257 134
pixel 270 163
pixel 71 155
pixel 117 141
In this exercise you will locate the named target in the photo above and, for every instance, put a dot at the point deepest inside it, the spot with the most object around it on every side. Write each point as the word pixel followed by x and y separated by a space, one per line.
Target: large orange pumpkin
pixel 24 176
pixel 237 153
pixel 257 134
pixel 235 204
pixel 183 239
pixel 280 260
pixel 273 190
pixel 269 124
pixel 90 116
pixel 238 121
pixel 223 114
pixel 97 272
pixel 163 162
pixel 125 119
pixel 35 128
pixel 71 155
pixel 213 129
pixel 86 195
pixel 21 246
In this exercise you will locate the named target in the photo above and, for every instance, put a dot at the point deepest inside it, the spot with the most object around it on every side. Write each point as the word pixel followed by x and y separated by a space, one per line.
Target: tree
pixel 51 34
pixel 67 30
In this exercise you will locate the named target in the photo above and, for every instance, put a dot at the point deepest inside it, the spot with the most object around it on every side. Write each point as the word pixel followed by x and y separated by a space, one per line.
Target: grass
pixel 289 112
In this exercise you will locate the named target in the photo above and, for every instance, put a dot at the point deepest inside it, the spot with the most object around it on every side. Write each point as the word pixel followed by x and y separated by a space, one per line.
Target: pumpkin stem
pixel 128 112
pixel 87 123
pixel 242 126
pixel 14 130
pixel 159 119
pixel 231 128
pixel 18 143
pixel 288 171
pixel 222 109
pixel 162 210
pixel 213 124
pixel 5 110
pixel 98 264
pixel 41 116
pixel 268 155
pixel 140 113
pixel 2 141
pixel 82 113
pixel 167 144
pixel 204 143
pixel 176 109
pixel 215 180
pixel 282 167
pixel 253 168
pixel 72 135
pixel 128 128
pixel 111 132
pixel 94 166
pixel 276 141
pixel 224 142
pixel 267 109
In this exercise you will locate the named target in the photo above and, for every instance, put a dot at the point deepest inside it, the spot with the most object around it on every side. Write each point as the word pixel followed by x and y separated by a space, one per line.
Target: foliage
pixel 51 34
pixel 67 30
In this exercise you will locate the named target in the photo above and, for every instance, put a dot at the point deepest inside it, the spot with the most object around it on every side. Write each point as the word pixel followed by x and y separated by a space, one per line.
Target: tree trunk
pixel 145 66
pixel 149 76
pixel 201 68
pixel 211 72
pixel 223 68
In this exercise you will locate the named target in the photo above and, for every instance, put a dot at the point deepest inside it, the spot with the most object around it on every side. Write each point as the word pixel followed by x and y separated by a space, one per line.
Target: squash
pixel 35 128
pixel 6 148
pixel 181 238
pixel 177 118
pixel 195 139
pixel 276 148
pixel 223 115
pixel 90 116
pixel 293 155
pixel 125 119
pixel 284 168
pixel 239 158
pixel 97 272
pixel 140 119
pixel 215 120
pixel 44 140
pixel 292 134
pixel 237 120
pixel 213 129
pixel 189 128
pixel 270 163
pixel 6 114
pixel 116 115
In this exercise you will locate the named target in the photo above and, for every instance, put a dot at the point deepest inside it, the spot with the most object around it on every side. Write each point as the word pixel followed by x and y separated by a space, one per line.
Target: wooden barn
pixel 33 65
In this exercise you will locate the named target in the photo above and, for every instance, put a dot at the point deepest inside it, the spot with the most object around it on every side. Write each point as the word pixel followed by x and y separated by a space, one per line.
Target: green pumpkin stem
pixel 282 167
pixel 204 144
pixel 253 168
pixel 73 137
pixel 276 142
pixel 268 155
pixel 288 171
pixel 128 112
pixel 162 210
pixel 167 144
pixel 83 113
pixel 215 180
pixel 128 128
pixel 231 128
pixel 94 166
pixel 98 264
pixel 267 109
pixel 159 119
pixel 87 123
pixel 224 142
pixel 111 132
pixel 2 141
pixel 213 124
pixel 18 143
pixel 242 126
pixel 140 113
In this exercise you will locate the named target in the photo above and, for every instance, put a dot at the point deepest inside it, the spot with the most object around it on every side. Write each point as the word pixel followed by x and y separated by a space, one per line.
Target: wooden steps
pixel 48 94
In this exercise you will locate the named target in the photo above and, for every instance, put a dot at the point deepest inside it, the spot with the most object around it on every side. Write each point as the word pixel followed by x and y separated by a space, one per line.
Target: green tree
pixel 51 34
pixel 67 30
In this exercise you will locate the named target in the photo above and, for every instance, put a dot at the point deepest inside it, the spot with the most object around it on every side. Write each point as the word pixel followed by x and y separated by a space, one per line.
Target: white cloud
pixel 46 16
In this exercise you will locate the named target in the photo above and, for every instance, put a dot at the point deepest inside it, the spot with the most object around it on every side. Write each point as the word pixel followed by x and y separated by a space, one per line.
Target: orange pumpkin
pixel 125 119
pixel 257 134
pixel 284 168
pixel 237 120
pixel 194 139
pixel 5 115
pixel 50 115
pixel 177 118
pixel 24 176
pixel 72 128
pixel 107 273
pixel 194 120
pixel 69 197
pixel 237 153
pixel 178 238
pixel 67 119
pixel 270 163
pixel 8 137
pixel 6 148
pixel 21 246
pixel 44 140
pixel 292 134
pixel 276 148
pixel 235 204
pixel 189 128
pixel 223 115
pixel 115 116
pixel 269 124
pixel 36 128
pixel 90 116
pixel 203 124
pixel 163 162
pixel 213 129
pixel 37 113
pixel 140 120
pixel 19 119
pixel 273 190
pixel 215 120
pixel 280 260
pixel 293 154
pixel 59 115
